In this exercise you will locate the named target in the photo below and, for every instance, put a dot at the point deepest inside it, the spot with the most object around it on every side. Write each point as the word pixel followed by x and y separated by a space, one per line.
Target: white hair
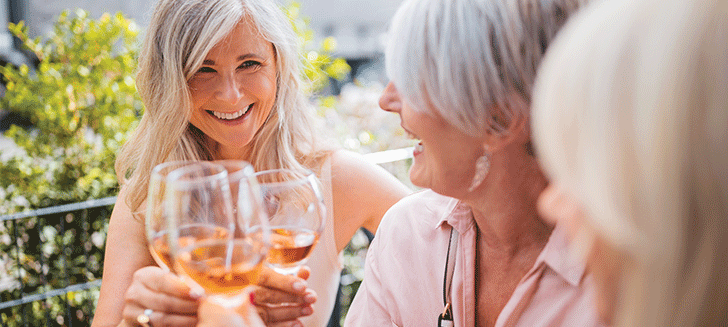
pixel 179 36
pixel 465 59
pixel 630 115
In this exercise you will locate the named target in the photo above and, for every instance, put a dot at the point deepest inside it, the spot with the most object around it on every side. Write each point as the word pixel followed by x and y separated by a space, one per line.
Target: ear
pixel 517 127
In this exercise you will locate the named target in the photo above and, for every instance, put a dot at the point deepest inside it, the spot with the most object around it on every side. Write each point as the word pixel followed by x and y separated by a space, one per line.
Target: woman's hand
pixel 282 299
pixel 166 295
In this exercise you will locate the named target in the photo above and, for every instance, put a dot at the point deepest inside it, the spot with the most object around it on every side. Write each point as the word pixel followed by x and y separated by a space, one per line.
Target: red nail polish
pixel 252 298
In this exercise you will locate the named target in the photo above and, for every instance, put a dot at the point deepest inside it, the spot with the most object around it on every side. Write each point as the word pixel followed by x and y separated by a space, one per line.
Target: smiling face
pixel 604 262
pixel 234 91
pixel 444 158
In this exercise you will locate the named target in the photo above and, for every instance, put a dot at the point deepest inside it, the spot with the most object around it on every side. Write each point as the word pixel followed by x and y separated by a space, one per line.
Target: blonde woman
pixel 220 80
pixel 631 123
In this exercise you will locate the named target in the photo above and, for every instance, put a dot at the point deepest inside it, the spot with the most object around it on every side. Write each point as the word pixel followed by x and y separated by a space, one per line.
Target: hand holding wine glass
pixel 295 207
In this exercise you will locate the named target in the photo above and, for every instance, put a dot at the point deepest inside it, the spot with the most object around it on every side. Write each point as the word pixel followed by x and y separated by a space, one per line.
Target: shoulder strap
pixel 446 318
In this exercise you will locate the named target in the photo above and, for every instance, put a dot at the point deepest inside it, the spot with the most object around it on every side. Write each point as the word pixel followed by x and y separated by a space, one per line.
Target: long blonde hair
pixel 631 117
pixel 179 36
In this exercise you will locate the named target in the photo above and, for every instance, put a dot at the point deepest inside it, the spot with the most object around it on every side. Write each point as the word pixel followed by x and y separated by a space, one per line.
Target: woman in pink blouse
pixel 630 118
pixel 471 249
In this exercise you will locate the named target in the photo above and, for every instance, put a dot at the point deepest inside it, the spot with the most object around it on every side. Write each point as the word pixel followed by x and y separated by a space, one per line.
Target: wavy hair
pixel 179 36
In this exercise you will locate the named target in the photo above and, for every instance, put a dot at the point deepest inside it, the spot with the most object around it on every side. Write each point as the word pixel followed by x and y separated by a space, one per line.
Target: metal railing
pixel 52 260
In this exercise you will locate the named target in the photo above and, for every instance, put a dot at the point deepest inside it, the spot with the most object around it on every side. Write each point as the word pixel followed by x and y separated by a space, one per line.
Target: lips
pixel 418 148
pixel 230 115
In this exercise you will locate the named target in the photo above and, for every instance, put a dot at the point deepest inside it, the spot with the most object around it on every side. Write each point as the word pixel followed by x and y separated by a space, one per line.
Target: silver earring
pixel 482 165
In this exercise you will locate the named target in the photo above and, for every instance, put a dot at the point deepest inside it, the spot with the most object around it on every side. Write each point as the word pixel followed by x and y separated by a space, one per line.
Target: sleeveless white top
pixel 325 262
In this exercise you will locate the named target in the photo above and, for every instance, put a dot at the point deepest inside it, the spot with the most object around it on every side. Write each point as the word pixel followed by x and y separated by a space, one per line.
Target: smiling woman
pixel 234 91
pixel 220 80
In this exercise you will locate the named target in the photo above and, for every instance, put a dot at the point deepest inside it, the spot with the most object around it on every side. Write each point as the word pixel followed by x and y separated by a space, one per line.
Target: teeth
pixel 231 115
pixel 419 148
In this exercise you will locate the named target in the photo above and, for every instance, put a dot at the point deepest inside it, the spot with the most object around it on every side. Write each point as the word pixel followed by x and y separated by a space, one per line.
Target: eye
pixel 249 64
pixel 205 70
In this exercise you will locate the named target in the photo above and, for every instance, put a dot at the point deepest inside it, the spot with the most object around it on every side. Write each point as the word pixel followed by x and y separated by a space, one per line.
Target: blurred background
pixel 359 26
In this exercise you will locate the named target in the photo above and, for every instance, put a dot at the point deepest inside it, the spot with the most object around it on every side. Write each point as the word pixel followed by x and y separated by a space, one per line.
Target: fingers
pixel 285 283
pixel 158 319
pixel 282 299
pixel 272 297
pixel 284 315
pixel 158 280
pixel 162 292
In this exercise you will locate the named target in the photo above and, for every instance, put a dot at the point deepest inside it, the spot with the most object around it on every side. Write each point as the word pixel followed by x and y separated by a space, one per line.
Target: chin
pixel 417 180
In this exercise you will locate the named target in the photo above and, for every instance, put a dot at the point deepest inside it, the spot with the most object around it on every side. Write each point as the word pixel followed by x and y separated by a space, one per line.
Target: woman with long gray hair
pixel 220 80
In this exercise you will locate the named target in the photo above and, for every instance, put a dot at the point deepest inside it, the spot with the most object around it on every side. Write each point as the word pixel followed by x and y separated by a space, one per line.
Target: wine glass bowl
pixel 222 266
pixel 297 214
pixel 211 204
pixel 156 214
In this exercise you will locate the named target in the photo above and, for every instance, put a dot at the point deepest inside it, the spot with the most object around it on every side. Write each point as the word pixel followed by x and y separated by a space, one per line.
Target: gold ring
pixel 143 319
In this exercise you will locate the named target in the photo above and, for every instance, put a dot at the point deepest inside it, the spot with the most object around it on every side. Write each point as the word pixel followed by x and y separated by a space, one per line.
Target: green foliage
pixel 83 104
pixel 319 64
pixel 51 253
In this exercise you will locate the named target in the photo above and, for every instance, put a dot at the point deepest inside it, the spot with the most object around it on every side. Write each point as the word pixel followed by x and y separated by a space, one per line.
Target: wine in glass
pixel 157 216
pixel 224 267
pixel 297 213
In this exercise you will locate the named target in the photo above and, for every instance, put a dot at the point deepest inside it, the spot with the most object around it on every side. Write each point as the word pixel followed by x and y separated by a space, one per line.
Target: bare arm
pixel 126 252
pixel 128 288
pixel 362 193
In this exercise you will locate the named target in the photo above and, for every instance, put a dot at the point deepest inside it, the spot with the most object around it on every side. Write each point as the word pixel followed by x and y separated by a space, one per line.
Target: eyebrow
pixel 239 58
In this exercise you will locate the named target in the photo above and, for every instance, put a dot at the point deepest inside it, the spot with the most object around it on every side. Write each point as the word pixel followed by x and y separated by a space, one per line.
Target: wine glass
pixel 248 206
pixel 155 220
pixel 294 203
pixel 216 253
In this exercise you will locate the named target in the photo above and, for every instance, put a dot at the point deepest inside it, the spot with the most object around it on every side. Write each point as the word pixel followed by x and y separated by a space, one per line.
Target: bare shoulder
pixel 352 169
pixel 362 193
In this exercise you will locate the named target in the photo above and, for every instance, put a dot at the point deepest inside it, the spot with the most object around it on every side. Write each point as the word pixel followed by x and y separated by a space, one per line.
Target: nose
pixel 230 90
pixel 390 99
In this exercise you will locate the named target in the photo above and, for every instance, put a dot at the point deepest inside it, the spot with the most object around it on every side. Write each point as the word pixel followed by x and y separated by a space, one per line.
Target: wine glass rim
pixel 183 184
pixel 166 164
pixel 246 169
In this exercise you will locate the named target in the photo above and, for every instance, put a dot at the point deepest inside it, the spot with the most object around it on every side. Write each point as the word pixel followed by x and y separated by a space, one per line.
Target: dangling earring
pixel 482 166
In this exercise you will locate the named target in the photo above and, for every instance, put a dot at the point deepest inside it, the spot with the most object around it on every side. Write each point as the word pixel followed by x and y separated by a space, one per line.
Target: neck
pixel 505 210
pixel 230 153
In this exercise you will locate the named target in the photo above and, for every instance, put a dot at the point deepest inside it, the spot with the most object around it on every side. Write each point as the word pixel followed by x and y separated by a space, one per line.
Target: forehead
pixel 244 38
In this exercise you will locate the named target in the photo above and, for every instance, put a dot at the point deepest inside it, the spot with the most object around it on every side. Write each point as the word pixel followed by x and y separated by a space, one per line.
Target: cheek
pixel 200 93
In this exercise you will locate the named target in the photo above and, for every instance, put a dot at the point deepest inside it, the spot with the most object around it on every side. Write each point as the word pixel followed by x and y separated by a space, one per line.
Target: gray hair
pixel 466 59
pixel 630 115
pixel 179 36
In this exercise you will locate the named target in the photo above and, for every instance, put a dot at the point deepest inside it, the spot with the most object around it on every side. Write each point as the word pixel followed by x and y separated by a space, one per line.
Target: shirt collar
pixel 555 254
pixel 458 215
pixel 557 257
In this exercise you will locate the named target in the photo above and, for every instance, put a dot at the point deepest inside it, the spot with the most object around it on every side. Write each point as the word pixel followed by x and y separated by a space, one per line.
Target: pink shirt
pixel 405 265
